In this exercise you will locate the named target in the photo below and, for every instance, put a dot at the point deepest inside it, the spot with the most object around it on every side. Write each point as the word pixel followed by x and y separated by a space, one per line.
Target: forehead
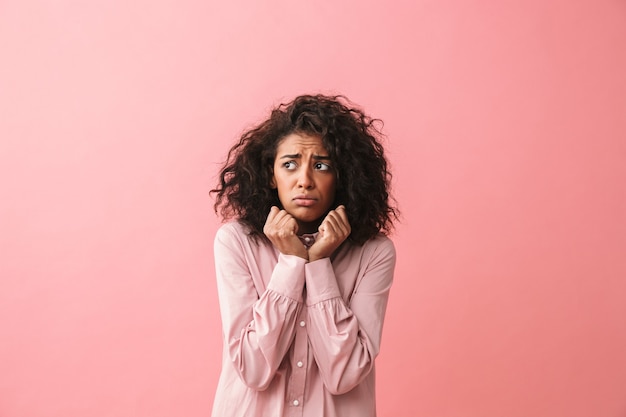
pixel 300 143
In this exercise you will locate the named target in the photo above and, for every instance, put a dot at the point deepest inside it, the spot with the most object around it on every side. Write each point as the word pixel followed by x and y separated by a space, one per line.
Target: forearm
pixel 345 338
pixel 258 346
pixel 258 322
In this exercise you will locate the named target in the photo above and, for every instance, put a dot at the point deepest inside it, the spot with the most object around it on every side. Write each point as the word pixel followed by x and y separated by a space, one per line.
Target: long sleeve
pixel 296 352
pixel 258 326
pixel 345 337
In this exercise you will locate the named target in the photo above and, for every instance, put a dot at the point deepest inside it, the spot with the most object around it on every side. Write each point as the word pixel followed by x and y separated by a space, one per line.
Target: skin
pixel 306 181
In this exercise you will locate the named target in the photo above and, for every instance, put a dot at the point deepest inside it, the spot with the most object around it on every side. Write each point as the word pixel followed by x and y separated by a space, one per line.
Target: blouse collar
pixel 308 239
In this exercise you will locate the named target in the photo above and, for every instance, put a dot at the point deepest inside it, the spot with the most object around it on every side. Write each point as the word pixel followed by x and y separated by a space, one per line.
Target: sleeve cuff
pixel 288 277
pixel 321 283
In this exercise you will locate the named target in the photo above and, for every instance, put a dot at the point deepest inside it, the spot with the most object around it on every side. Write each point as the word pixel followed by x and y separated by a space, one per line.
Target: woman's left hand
pixel 334 230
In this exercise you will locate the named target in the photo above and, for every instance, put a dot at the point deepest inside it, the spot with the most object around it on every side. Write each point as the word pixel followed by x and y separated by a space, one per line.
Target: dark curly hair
pixel 355 149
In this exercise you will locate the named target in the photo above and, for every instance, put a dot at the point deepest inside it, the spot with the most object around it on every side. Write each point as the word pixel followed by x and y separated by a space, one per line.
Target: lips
pixel 304 200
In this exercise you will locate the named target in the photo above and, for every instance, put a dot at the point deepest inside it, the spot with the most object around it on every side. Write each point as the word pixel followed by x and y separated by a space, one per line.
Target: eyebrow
pixel 298 155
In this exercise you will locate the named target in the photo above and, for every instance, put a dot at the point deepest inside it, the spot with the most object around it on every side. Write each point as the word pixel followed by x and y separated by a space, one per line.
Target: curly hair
pixel 354 145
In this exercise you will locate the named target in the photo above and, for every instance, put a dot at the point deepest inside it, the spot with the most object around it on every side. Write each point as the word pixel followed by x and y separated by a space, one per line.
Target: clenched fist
pixel 282 230
pixel 334 230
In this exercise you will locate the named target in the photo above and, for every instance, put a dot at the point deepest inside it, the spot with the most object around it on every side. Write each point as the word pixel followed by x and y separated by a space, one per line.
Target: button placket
pixel 298 372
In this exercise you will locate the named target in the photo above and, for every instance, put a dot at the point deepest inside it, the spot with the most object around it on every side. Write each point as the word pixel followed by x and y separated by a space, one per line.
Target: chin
pixel 308 220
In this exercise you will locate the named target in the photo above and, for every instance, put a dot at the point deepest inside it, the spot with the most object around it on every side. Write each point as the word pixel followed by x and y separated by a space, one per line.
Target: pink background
pixel 507 134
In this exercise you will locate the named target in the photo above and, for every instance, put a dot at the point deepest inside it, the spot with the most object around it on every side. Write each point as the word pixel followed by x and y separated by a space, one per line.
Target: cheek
pixel 330 186
pixel 283 184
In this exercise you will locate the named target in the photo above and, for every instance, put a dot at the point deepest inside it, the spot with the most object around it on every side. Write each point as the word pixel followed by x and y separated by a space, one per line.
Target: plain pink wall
pixel 507 134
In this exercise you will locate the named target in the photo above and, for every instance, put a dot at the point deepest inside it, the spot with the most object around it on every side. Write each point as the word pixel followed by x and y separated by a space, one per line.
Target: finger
pixel 339 222
pixel 272 214
pixel 282 218
pixel 286 223
pixel 342 219
pixel 267 227
pixel 341 211
pixel 329 226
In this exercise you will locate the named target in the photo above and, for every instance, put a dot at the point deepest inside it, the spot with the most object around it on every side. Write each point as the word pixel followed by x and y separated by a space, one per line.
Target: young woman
pixel 304 266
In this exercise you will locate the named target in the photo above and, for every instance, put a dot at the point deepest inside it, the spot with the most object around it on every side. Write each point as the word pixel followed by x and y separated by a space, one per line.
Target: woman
pixel 305 268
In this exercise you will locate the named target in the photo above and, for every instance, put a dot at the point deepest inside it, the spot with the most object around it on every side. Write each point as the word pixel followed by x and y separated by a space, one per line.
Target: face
pixel 305 179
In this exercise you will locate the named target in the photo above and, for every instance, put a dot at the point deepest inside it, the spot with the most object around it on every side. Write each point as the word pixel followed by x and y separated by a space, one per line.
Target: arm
pixel 258 328
pixel 346 338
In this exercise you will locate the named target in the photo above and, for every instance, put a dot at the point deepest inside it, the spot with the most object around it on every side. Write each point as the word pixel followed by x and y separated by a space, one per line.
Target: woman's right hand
pixel 282 230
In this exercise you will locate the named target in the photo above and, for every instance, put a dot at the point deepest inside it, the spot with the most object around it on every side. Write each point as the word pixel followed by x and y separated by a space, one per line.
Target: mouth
pixel 304 201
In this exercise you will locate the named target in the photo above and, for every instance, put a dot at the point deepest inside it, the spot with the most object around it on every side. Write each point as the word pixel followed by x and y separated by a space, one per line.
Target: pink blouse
pixel 300 338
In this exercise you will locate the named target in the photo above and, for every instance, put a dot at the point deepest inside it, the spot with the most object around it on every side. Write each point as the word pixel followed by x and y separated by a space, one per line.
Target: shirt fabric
pixel 300 338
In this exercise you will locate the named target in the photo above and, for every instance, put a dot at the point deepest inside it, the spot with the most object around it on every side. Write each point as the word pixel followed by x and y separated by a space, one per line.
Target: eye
pixel 290 165
pixel 321 166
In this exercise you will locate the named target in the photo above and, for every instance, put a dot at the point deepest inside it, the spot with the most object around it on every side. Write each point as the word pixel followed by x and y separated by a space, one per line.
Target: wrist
pixel 314 256
pixel 302 254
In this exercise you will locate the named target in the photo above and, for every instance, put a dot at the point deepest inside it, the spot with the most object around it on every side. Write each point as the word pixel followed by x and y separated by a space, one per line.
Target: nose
pixel 305 179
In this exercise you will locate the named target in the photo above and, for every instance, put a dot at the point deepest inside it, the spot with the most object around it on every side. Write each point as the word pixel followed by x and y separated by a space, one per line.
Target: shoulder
pixel 236 234
pixel 380 245
pixel 232 231
pixel 375 261
pixel 233 228
pixel 379 249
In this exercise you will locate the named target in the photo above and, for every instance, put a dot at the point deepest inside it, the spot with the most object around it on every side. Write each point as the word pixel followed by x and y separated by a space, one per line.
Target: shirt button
pixel 296 403
pixel 302 323
pixel 300 364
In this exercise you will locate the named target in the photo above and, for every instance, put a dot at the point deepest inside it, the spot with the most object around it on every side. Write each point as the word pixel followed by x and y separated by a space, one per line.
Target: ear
pixel 272 180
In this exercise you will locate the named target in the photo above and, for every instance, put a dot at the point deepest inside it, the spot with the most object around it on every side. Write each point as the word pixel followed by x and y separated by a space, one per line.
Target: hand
pixel 282 230
pixel 334 230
